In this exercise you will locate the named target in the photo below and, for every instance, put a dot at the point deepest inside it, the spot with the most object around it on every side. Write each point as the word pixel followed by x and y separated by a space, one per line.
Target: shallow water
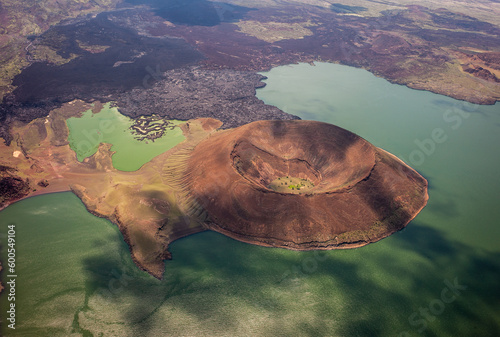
pixel 75 274
pixel 109 126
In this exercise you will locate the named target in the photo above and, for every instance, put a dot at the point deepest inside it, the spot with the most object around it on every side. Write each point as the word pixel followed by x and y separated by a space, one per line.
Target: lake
pixel 437 277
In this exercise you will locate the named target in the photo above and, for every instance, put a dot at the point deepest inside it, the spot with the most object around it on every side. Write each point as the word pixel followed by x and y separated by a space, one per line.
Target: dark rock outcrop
pixel 189 93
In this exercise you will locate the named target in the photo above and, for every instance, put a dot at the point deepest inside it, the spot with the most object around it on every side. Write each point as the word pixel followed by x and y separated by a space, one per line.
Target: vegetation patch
pixel 291 185
pixel 94 49
pixel 45 53
pixel 346 9
pixel 275 31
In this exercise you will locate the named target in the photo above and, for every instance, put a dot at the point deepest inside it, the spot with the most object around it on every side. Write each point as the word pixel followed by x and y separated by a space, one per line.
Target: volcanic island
pixel 302 185
pixel 293 184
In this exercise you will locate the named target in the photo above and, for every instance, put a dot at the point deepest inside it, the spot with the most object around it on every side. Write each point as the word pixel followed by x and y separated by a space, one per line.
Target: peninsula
pixel 344 191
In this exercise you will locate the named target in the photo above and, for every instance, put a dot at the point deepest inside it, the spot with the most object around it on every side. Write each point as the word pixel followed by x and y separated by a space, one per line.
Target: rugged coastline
pixel 161 201
pixel 194 92
pixel 425 48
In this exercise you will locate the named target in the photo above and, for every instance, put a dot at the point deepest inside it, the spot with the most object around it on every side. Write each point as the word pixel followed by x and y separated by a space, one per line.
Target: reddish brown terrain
pixel 292 184
pixel 357 193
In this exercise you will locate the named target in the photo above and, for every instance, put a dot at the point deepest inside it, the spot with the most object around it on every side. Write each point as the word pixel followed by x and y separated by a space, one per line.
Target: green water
pixel 75 274
pixel 109 126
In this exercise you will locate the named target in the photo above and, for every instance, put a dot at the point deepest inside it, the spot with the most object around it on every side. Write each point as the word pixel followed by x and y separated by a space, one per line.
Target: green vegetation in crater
pixel 291 185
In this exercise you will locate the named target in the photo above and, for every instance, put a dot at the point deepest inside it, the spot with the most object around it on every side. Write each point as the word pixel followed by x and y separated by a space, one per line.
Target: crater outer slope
pixel 360 193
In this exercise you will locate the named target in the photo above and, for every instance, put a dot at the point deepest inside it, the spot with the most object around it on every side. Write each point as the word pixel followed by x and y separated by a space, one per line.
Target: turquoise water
pixel 75 274
pixel 109 126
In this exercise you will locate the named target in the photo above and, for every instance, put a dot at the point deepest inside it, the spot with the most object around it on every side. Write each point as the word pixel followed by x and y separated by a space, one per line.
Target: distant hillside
pixel 20 19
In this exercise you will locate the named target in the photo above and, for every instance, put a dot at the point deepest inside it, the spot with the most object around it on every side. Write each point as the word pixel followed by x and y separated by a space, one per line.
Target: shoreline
pixel 485 102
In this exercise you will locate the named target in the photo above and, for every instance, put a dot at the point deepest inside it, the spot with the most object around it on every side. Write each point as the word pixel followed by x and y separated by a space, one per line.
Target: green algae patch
pixel 109 126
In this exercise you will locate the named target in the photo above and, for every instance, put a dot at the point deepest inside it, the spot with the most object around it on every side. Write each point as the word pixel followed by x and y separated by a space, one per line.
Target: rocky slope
pixel 357 194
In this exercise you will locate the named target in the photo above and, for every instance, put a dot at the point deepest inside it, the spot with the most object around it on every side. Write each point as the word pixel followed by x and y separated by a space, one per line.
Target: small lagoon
pixel 109 126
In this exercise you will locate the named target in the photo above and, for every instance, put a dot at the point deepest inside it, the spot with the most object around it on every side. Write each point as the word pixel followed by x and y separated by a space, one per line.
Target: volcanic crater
pixel 302 185
pixel 283 183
